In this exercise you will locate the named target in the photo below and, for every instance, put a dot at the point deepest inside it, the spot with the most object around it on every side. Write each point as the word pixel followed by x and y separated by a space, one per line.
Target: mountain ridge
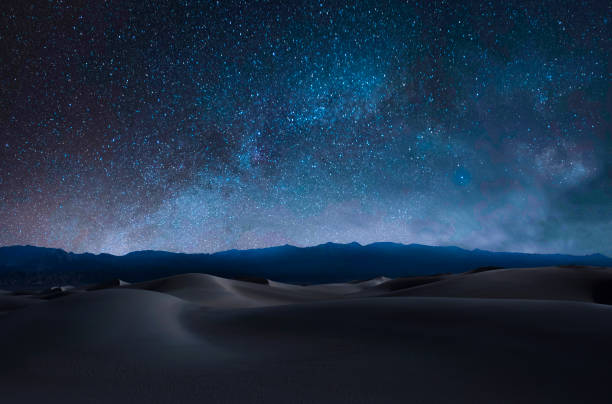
pixel 329 243
pixel 24 266
pixel 31 266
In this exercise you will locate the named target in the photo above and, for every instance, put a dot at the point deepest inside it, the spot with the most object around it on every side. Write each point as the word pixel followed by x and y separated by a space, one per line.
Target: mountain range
pixel 30 266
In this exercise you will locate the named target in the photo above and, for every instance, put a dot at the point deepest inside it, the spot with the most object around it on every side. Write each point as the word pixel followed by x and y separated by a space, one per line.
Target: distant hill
pixel 28 266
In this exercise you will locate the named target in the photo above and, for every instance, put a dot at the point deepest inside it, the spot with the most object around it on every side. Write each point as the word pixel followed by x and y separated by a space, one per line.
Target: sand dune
pixel 216 292
pixel 503 336
pixel 551 283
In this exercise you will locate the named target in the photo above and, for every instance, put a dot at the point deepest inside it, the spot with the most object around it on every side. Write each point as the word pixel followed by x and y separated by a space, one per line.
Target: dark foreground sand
pixel 541 335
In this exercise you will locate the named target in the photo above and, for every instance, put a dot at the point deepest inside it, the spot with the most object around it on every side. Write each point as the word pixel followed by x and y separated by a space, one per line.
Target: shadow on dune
pixel 602 292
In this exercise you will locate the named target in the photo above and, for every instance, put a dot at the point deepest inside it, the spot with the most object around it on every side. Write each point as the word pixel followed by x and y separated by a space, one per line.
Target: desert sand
pixel 535 335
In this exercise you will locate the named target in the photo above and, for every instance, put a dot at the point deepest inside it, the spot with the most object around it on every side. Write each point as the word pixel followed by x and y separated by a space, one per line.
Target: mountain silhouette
pixel 25 266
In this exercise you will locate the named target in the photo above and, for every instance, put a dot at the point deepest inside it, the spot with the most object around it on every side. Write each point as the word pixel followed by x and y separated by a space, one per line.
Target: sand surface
pixel 537 335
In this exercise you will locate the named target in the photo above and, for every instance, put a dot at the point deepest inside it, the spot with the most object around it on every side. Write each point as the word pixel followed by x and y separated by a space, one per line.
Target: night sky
pixel 200 126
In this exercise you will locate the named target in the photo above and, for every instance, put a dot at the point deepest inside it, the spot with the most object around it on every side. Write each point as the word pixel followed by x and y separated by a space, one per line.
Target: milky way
pixel 203 126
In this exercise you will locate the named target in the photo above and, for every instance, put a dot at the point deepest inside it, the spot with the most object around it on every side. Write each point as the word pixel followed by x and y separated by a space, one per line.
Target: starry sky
pixel 200 126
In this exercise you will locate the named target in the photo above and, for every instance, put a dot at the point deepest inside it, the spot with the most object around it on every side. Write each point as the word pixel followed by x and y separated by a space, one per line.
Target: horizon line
pixel 304 247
